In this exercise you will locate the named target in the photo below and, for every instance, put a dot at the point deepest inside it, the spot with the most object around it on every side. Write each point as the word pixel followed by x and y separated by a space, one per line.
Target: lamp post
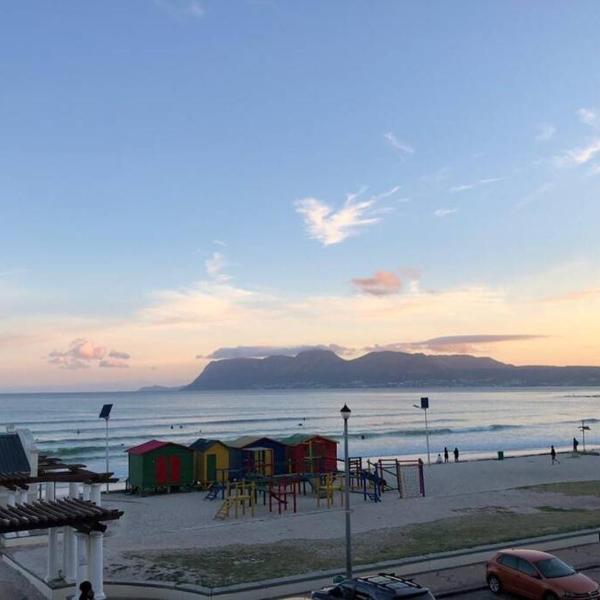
pixel 583 428
pixel 425 406
pixel 105 414
pixel 345 412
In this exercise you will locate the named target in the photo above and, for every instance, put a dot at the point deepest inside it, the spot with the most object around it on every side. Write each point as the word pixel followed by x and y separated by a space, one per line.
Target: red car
pixel 538 575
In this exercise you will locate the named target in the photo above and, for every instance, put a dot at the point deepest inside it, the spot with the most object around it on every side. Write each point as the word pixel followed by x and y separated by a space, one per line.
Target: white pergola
pixel 80 521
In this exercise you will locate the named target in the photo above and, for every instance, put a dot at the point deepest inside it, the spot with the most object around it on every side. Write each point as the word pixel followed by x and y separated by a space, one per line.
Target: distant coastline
pixel 323 369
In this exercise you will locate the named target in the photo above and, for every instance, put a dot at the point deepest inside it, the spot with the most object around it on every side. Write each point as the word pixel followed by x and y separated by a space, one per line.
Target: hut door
pixel 161 470
pixel 175 469
pixel 211 467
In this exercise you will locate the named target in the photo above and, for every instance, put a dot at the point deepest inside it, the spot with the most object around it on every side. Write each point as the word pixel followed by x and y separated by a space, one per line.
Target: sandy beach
pixel 160 528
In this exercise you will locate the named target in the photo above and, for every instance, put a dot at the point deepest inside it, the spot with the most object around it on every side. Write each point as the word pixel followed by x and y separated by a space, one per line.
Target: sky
pixel 183 180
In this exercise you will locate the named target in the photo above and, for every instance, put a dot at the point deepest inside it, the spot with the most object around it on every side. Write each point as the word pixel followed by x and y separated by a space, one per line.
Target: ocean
pixel 383 423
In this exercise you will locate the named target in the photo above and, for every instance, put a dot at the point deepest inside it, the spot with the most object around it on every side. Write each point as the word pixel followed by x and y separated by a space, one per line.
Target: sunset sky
pixel 181 180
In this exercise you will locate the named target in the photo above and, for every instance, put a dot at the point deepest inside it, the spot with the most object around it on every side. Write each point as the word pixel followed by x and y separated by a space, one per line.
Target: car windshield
pixel 554 567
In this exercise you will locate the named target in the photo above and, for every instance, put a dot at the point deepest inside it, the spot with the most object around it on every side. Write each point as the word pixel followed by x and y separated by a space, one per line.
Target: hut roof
pixel 301 438
pixel 202 444
pixel 12 455
pixel 152 445
pixel 250 440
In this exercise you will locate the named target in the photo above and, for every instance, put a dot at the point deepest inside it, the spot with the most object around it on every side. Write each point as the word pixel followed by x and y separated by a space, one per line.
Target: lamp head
pixel 345 412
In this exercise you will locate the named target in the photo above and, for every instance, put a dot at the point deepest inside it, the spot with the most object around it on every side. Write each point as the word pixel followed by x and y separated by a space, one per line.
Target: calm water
pixel 383 423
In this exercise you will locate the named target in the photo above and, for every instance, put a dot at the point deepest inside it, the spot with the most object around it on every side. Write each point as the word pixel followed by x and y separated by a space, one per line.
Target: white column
pixel 96 494
pixel 86 491
pixel 50 491
pixel 96 568
pixel 11 499
pixel 70 558
pixel 21 496
pixel 52 572
pixel 81 573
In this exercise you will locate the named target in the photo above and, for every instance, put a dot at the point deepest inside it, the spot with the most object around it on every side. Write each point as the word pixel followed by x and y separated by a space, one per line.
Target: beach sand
pixel 185 521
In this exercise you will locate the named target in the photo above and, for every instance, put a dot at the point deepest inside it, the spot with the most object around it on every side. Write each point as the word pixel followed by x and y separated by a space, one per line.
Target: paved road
pixel 481 595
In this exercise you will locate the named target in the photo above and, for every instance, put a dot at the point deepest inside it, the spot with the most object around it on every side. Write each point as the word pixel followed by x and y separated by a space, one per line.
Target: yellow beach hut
pixel 211 461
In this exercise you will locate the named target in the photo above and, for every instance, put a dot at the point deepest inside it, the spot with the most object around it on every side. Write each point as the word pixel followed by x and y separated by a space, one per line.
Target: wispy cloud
pixel 215 266
pixel 540 191
pixel 264 351
pixel 182 9
pixel 444 212
pixel 578 156
pixel 382 283
pixel 332 226
pixel 545 132
pixel 453 343
pixel 470 186
pixel 589 116
pixel 402 147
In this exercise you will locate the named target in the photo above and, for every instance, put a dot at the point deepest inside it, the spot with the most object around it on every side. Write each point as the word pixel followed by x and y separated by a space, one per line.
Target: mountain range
pixel 325 369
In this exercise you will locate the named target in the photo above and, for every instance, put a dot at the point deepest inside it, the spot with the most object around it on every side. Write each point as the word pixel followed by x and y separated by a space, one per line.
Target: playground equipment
pixel 282 491
pixel 240 497
pixel 325 487
pixel 387 474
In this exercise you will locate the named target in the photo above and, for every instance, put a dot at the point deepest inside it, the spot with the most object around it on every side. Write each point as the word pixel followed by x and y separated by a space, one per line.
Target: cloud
pixel 182 9
pixel 589 116
pixel 545 132
pixel 469 186
pixel 402 147
pixel 578 156
pixel 536 194
pixel 382 283
pixel 83 353
pixel 332 226
pixel 215 265
pixel 444 212
pixel 113 363
pixel 577 296
pixel 453 343
pixel 264 351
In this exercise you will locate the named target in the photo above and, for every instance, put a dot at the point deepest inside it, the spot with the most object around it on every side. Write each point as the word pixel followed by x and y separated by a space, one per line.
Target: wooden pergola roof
pixel 53 469
pixel 82 515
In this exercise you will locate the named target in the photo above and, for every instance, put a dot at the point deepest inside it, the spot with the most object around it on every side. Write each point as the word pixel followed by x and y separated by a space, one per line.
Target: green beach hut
pixel 160 466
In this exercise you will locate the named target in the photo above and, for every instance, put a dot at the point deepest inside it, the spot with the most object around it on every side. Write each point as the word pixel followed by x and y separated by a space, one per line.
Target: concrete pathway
pixel 14 586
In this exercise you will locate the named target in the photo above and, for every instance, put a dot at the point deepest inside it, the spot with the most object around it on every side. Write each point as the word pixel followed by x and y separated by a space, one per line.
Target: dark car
pixel 538 575
pixel 385 586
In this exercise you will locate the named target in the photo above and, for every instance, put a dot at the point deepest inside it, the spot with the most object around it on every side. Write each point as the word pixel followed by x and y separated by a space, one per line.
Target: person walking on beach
pixel 553 455
pixel 87 593
pixel 456 455
pixel 575 444
pixel 445 454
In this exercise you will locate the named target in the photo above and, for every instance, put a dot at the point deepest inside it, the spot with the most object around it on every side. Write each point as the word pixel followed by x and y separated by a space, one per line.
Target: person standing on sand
pixel 553 455
pixel 456 455
pixel 445 454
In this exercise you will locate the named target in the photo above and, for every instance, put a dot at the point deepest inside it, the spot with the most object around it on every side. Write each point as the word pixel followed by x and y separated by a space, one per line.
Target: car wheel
pixel 494 584
pixel 550 596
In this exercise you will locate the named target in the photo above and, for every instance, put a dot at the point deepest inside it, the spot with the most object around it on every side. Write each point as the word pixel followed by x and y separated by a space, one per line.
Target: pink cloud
pixel 83 353
pixel 383 283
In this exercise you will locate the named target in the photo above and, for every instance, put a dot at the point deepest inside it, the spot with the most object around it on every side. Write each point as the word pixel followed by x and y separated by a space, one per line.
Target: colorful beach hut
pixel 159 466
pixel 261 455
pixel 311 453
pixel 212 460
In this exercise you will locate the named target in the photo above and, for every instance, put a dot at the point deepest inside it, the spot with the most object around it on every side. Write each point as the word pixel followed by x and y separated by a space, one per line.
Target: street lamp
pixel 345 412
pixel 425 406
pixel 105 414
pixel 583 428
